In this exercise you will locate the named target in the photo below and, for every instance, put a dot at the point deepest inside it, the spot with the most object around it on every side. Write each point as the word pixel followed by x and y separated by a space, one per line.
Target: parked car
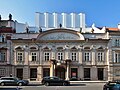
pixel 54 81
pixel 12 81
pixel 112 85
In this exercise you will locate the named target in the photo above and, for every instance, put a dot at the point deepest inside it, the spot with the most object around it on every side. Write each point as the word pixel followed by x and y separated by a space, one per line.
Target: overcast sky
pixel 100 12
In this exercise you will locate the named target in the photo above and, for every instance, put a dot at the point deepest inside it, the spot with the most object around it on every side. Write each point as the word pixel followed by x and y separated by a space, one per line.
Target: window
pixel 34 56
pixel 117 72
pixel 117 57
pixel 2 56
pixel 47 56
pixel 74 55
pixel 87 56
pixel 60 56
pixel 117 42
pixel 2 38
pixel 100 56
pixel 86 73
pixel 2 72
pixel 19 56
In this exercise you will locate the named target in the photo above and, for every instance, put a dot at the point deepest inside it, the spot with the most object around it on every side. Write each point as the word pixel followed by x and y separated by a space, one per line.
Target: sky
pixel 101 12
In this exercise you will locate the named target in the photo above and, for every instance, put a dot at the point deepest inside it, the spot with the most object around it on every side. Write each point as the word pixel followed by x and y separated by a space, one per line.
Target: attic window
pixel 87 48
pixel 60 48
pixel 33 48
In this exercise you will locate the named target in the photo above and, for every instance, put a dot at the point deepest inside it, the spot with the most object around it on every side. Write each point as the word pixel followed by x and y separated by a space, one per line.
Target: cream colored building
pixel 85 53
pixel 61 52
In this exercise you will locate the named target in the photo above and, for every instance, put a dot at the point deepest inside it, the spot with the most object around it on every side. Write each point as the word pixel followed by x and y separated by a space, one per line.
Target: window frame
pixel 74 56
pixel 20 56
pixel 87 56
pixel 100 57
pixel 34 56
pixel 46 56
pixel 60 56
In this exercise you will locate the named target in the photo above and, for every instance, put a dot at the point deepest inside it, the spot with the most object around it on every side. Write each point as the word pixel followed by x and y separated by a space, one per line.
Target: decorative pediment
pixel 46 48
pixel 59 34
pixel 74 48
pixel 87 48
pixel 33 48
pixel 18 48
pixel 3 48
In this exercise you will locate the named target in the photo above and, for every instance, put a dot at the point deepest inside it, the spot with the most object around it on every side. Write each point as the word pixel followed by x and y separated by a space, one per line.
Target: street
pixel 80 86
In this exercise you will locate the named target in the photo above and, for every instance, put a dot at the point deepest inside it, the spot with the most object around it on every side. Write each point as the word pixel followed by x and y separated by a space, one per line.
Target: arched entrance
pixel 60 72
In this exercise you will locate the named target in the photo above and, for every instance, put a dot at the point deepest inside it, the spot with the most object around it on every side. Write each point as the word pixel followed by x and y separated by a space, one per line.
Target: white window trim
pixel 22 57
pixel 117 57
pixel 61 56
pixel 34 55
pixel 101 56
pixel 75 59
pixel 46 56
pixel 89 57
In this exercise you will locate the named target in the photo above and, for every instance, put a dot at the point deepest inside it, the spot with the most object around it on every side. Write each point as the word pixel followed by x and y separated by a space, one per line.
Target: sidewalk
pixel 72 82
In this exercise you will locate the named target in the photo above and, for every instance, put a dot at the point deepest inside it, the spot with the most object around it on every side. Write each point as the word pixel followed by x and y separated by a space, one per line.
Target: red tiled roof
pixel 112 29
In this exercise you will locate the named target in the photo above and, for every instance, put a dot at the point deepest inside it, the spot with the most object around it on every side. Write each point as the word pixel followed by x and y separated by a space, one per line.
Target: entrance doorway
pixel 60 72
pixel 100 73
pixel 19 73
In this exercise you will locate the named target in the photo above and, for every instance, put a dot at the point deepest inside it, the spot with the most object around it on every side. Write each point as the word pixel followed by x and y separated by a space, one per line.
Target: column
pixel 94 73
pixel 93 56
pixel 40 55
pixel 80 57
pixel 68 71
pixel 39 73
pixel 26 72
pixel 80 72
pixel 52 69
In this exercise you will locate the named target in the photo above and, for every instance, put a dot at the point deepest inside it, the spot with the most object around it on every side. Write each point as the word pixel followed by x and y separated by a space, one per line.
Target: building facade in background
pixel 62 46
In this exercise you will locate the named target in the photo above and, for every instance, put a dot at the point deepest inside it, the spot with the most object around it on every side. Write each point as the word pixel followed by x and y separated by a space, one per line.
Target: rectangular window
pixel 34 56
pixel 2 72
pixel 117 57
pixel 19 56
pixel 74 56
pixel 117 42
pixel 87 56
pixel 2 56
pixel 60 56
pixel 100 56
pixel 47 56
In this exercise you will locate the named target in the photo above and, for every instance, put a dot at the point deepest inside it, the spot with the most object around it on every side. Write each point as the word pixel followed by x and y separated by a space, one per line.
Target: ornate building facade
pixel 89 53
